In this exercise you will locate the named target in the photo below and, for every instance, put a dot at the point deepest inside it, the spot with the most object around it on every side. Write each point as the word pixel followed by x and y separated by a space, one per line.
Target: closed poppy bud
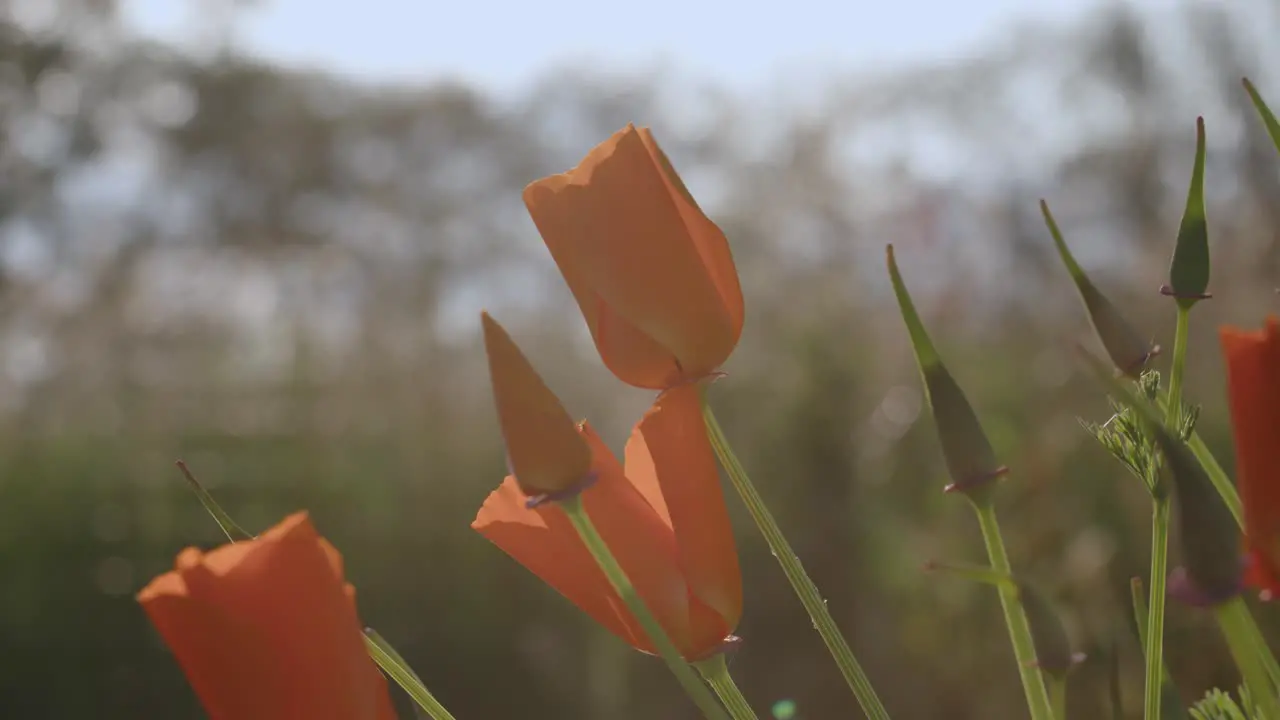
pixel 1189 270
pixel 1210 538
pixel 653 275
pixel 1253 389
pixel 267 628
pixel 1128 351
pixel 970 459
pixel 663 518
pixel 544 449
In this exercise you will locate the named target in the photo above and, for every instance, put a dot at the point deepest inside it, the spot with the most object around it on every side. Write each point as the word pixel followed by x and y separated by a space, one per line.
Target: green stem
pixel 229 527
pixel 1154 645
pixel 1024 650
pixel 791 567
pixel 716 672
pixel 1171 705
pixel 1233 619
pixel 394 666
pixel 1179 364
pixel 1140 615
pixel 697 691
pixel 1172 406
pixel 1058 696
pixel 1221 481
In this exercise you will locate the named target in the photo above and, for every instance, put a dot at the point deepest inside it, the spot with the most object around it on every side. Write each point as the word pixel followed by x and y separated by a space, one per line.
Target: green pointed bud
pixel 1048 634
pixel 1189 271
pixel 1268 118
pixel 1126 348
pixel 971 462
pixel 1213 568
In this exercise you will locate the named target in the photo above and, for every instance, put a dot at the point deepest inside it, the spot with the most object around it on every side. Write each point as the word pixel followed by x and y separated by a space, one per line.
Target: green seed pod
pixel 971 461
pixel 1126 348
pixel 1189 270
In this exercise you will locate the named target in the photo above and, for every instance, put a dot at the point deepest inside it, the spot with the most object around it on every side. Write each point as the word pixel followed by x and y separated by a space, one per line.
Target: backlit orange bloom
pixel 1253 386
pixel 664 518
pixel 652 274
pixel 266 629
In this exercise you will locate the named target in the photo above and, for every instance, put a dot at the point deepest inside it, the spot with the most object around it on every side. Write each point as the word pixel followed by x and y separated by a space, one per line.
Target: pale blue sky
pixel 500 44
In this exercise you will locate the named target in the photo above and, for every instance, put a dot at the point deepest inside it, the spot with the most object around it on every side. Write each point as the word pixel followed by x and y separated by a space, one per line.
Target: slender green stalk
pixel 393 665
pixel 1264 651
pixel 697 691
pixel 1058 697
pixel 1154 645
pixel 1233 620
pixel 1171 407
pixel 1024 650
pixel 716 672
pixel 229 527
pixel 1178 368
pixel 1140 616
pixel 791 567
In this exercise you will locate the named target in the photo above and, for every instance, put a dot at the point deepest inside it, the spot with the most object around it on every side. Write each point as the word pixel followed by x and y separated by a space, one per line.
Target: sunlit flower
pixel 267 629
pixel 663 517
pixel 1253 385
pixel 652 274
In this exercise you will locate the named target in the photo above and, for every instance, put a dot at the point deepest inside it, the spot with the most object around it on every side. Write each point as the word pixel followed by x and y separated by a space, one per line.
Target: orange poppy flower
pixel 663 517
pixel 267 629
pixel 652 274
pixel 1253 387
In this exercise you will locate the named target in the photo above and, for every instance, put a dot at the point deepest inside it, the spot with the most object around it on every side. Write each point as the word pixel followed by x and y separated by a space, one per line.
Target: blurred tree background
pixel 274 275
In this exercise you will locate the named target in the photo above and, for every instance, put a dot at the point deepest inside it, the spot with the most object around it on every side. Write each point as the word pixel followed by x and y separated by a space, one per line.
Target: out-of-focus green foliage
pixel 275 276
pixel 1218 705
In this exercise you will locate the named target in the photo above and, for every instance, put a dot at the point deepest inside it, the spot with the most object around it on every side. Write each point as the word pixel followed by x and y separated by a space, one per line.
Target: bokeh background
pixel 257 235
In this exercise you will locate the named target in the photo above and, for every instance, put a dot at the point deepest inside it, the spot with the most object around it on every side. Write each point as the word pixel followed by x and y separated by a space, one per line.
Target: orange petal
pixel 708 238
pixel 209 644
pixel 618 226
pixel 630 354
pixel 543 446
pixel 1253 387
pixel 265 628
pixel 671 462
pixel 545 542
